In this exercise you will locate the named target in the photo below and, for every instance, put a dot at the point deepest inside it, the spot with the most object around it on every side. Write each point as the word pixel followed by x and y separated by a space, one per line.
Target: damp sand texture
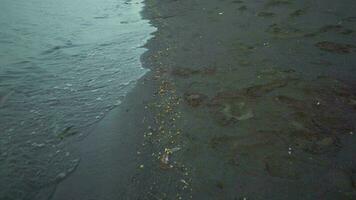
pixel 244 100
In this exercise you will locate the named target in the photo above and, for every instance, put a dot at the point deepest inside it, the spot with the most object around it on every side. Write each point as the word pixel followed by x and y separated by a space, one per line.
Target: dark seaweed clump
pixel 297 13
pixel 242 8
pixel 284 31
pixel 194 99
pixel 187 72
pixel 331 28
pixel 304 116
pixel 266 14
pixel 313 121
pixel 278 2
pixel 336 47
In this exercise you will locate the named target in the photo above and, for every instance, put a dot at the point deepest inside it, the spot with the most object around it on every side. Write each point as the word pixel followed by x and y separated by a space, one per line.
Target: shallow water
pixel 63 66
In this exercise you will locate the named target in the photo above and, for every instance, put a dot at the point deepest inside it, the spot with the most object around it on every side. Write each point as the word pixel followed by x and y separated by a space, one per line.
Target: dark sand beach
pixel 244 100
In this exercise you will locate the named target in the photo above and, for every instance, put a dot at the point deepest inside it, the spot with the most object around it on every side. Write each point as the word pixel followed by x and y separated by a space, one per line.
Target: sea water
pixel 63 66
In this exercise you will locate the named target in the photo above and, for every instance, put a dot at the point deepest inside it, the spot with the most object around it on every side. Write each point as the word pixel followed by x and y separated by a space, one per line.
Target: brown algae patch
pixel 315 120
pixel 335 28
pixel 194 99
pixel 242 48
pixel 297 13
pixel 270 3
pixel 237 112
pixel 237 1
pixel 266 14
pixel 264 126
pixel 286 167
pixel 242 8
pixel 284 32
pixel 229 107
pixel 187 72
pixel 339 29
pixel 334 47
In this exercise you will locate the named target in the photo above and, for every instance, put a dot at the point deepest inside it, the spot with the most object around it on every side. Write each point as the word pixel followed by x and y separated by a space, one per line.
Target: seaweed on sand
pixel 184 72
pixel 187 72
pixel 284 32
pixel 266 14
pixel 331 28
pixel 242 48
pixel 316 114
pixel 278 2
pixel 273 74
pixel 297 13
pixel 232 106
pixel 242 8
pixel 251 152
pixel 334 47
pixel 260 90
pixel 238 105
pixel 237 1
pixel 322 116
pixel 194 99
pixel 283 167
pixel 335 28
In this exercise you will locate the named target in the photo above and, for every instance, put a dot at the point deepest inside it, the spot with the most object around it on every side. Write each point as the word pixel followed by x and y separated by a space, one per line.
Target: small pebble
pixel 61 176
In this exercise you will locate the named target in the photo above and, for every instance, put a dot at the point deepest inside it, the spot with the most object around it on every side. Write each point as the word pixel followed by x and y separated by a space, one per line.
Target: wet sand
pixel 109 161
pixel 245 100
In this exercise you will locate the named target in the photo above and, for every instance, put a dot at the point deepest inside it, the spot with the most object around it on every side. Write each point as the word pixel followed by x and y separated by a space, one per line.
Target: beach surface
pixel 244 100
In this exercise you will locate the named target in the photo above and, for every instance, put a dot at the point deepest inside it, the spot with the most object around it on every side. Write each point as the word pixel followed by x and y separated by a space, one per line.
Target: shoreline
pixel 233 108
pixel 117 133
